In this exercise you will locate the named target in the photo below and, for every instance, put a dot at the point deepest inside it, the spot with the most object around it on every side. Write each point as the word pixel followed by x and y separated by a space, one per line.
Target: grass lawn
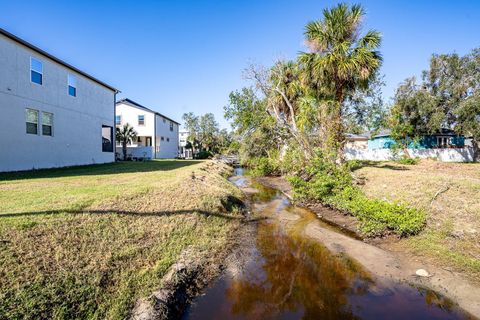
pixel 87 242
pixel 450 194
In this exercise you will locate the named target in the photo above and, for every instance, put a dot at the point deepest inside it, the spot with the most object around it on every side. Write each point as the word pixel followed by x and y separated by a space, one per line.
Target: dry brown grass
pixel 449 193
pixel 88 242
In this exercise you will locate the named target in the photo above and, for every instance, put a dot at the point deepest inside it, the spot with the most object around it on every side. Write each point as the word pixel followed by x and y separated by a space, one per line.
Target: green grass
pixel 448 194
pixel 462 255
pixel 87 242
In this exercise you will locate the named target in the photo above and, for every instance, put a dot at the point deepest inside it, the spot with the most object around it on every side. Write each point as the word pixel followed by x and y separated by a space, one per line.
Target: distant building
pixel 53 114
pixel 445 138
pixel 357 141
pixel 183 152
pixel 445 145
pixel 157 134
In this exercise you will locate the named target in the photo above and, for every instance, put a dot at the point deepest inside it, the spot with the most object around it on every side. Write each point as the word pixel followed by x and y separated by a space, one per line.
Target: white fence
pixel 136 152
pixel 445 155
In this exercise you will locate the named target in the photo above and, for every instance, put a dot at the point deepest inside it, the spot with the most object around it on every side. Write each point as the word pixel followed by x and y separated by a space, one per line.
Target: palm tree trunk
pixel 476 151
pixel 124 149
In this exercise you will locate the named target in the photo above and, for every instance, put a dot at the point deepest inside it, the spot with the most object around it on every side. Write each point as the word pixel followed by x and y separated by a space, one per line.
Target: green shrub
pixel 408 161
pixel 204 155
pixel 263 166
pixel 292 161
pixel 333 185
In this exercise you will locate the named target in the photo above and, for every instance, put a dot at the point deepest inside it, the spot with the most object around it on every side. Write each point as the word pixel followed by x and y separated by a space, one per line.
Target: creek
pixel 289 276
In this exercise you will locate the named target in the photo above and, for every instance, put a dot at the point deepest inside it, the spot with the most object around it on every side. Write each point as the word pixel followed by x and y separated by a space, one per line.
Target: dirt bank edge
pixel 388 265
pixel 193 271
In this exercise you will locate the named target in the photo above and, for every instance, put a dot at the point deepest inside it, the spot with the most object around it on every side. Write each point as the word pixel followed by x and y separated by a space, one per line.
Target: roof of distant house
pixel 138 105
pixel 441 132
pixel 357 137
pixel 48 55
pixel 382 133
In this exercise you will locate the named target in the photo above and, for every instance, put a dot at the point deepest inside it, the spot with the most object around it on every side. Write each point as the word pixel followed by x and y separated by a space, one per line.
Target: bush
pixel 333 185
pixel 292 161
pixel 204 155
pixel 408 161
pixel 263 166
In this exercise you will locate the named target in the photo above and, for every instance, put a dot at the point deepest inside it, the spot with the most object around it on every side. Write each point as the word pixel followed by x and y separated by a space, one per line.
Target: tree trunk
pixel 124 149
pixel 338 134
pixel 476 150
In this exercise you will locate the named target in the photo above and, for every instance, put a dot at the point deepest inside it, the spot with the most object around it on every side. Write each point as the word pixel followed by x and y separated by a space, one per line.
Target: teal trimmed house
pixel 444 139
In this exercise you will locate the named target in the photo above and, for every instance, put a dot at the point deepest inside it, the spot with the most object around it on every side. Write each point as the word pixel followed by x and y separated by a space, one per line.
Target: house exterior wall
pixel 427 142
pixel 77 121
pixel 130 115
pixel 182 151
pixel 445 155
pixel 154 127
pixel 357 144
pixel 168 146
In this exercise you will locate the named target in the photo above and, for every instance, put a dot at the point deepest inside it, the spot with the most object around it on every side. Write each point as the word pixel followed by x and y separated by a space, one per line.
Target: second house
pixel 157 135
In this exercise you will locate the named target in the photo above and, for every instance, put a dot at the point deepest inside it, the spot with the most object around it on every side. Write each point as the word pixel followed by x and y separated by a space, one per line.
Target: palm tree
pixel 125 135
pixel 339 61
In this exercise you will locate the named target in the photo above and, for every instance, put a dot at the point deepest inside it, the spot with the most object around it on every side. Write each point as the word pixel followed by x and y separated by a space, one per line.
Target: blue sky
pixel 180 56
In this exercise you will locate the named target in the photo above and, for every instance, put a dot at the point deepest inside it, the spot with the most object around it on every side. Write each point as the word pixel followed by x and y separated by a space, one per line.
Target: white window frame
pixel 120 116
pixel 31 69
pixel 38 121
pixel 138 120
pixel 74 78
pixel 41 122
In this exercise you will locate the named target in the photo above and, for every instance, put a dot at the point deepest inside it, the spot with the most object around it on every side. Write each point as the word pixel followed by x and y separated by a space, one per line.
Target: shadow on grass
pixel 124 213
pixel 99 169
pixel 378 164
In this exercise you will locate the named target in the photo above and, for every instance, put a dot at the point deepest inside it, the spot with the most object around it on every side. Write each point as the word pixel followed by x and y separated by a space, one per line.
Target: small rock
pixel 422 273
pixel 457 234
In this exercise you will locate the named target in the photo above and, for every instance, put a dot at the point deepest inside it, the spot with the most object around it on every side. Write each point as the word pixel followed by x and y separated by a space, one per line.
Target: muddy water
pixel 288 276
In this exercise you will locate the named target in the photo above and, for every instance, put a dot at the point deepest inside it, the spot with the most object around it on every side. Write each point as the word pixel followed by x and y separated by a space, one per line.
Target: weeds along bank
pixel 88 242
pixel 334 185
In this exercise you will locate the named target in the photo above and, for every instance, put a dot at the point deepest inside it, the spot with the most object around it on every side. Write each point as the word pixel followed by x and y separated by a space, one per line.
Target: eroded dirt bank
pixel 383 264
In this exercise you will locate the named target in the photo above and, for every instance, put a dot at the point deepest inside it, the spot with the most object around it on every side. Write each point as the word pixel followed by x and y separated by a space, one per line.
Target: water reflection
pixel 294 278
pixel 290 276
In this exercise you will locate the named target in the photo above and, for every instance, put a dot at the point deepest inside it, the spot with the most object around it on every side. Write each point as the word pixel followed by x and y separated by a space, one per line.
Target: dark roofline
pixel 46 54
pixel 138 105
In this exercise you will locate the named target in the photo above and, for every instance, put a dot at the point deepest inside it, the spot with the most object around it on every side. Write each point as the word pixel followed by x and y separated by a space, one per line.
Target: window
pixel 162 138
pixel 36 71
pixel 168 139
pixel 171 126
pixel 118 120
pixel 107 138
pixel 32 121
pixel 444 142
pixel 47 123
pixel 141 120
pixel 72 85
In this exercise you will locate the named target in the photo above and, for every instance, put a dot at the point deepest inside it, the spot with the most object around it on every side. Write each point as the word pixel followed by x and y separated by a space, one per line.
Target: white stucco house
pixel 157 135
pixel 53 114
pixel 183 152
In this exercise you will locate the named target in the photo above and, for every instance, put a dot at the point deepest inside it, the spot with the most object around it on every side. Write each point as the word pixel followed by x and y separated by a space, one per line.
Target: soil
pixel 190 275
pixel 338 219
pixel 371 253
